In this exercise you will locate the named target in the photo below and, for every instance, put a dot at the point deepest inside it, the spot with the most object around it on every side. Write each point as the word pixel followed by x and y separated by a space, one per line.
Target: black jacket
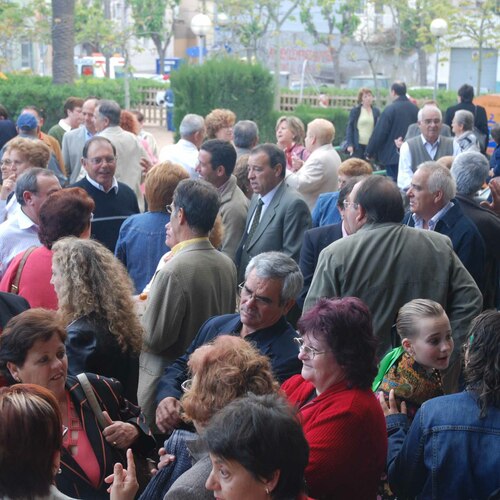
pixel 480 118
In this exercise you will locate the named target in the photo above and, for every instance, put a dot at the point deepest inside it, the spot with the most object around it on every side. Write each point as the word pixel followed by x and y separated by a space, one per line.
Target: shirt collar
pixel 419 221
pixel 268 197
pixel 24 221
pixel 425 141
pixel 64 125
pixel 99 186
pixel 183 244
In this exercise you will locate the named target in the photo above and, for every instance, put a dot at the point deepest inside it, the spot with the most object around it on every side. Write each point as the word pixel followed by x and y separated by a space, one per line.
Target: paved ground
pixel 162 136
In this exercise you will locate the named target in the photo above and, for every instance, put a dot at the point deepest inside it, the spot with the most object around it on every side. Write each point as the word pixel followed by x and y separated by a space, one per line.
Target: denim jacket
pixel 448 452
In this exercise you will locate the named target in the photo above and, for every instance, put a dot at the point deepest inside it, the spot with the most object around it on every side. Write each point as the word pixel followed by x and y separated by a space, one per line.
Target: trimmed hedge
pixel 246 89
pixel 24 90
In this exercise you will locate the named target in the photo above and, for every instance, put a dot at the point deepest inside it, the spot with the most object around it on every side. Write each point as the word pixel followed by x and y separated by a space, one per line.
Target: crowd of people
pixel 245 320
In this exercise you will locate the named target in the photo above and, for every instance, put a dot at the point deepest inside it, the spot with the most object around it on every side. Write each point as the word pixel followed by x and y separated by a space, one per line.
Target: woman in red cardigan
pixel 341 421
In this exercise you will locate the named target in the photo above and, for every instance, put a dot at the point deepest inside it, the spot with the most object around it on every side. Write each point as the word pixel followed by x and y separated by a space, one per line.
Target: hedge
pixel 19 91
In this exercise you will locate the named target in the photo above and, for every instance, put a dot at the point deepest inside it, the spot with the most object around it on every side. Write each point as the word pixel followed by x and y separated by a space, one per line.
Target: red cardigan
pixel 34 284
pixel 347 437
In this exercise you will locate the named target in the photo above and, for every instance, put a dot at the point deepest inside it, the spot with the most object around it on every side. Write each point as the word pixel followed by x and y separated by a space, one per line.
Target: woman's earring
pixel 267 491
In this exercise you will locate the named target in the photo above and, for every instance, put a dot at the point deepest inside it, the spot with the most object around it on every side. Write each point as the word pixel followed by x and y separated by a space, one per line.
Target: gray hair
pixel 110 110
pixel 278 266
pixel 464 118
pixel 428 107
pixel 246 134
pixel 191 124
pixel 439 179
pixel 470 170
pixel 28 181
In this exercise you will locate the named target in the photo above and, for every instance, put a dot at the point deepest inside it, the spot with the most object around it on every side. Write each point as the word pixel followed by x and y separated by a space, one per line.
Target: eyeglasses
pixel 311 352
pixel 348 204
pixel 248 294
pixel 99 160
pixel 64 430
pixel 186 385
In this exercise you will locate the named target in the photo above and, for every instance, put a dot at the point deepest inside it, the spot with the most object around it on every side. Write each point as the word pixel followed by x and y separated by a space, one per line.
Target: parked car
pixel 357 82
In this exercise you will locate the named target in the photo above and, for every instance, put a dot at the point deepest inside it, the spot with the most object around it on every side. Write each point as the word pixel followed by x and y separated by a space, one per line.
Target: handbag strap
pixel 89 393
pixel 14 287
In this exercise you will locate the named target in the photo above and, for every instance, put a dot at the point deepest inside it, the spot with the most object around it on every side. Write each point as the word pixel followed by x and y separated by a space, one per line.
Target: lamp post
pixel 439 27
pixel 200 26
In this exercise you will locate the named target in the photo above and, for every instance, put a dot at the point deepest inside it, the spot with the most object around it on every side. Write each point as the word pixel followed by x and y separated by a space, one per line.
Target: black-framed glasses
pixel 311 352
pixel 248 294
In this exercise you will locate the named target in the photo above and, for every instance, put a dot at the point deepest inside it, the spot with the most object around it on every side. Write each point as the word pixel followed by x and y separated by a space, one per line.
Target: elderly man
pixel 185 151
pixel 462 126
pixel 114 201
pixel 387 264
pixel 470 171
pixel 429 145
pixel 129 152
pixel 318 174
pixel 245 137
pixel 431 194
pixel 74 140
pixel 72 118
pixel 272 282
pixel 278 216
pixel 391 126
pixel 197 282
pixel 216 162
pixel 20 230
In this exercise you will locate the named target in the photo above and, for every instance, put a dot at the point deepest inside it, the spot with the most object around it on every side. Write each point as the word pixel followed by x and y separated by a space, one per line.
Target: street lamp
pixel 439 27
pixel 200 26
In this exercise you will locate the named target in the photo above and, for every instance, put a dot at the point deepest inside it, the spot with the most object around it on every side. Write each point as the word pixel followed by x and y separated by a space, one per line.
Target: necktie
pixel 255 221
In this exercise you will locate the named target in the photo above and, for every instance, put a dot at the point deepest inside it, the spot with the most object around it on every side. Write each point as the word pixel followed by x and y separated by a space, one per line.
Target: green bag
pixel 386 364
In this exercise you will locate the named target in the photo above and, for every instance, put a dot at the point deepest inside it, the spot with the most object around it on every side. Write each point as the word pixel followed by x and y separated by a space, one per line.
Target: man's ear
pixel 361 217
pixel 220 171
pixel 27 197
pixel 278 170
pixel 287 306
pixel 181 215
pixel 438 196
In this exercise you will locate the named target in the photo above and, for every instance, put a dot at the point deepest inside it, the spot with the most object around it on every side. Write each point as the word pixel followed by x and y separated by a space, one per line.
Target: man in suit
pixel 318 174
pixel 197 282
pixel 114 201
pixel 392 125
pixel 216 162
pixel 129 151
pixel 318 238
pixel 386 264
pixel 428 146
pixel 470 171
pixel 278 216
pixel 74 140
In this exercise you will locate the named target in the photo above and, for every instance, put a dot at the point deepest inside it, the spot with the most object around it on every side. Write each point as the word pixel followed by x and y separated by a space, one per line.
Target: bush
pixel 19 91
pixel 244 88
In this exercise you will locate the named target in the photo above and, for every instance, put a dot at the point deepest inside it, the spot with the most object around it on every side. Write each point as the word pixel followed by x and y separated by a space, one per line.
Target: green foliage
pixel 224 83
pixel 22 90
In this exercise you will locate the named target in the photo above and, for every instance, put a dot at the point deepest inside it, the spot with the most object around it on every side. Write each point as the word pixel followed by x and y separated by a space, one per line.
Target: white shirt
pixel 17 234
pixel 185 153
pixel 100 187
pixel 405 173
pixel 7 208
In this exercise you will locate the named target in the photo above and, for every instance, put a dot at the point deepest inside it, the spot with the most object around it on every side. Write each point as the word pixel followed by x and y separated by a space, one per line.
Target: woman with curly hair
pixel 452 449
pixel 219 124
pixel 95 302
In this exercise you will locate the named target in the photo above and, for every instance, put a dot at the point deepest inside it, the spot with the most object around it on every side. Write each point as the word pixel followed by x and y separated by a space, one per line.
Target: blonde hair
pixel 296 126
pixel 323 130
pixel 93 281
pixel 160 184
pixel 413 311
pixel 36 152
pixel 217 119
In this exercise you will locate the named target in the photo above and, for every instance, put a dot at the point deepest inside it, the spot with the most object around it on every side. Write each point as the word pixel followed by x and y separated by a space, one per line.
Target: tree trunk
pixel 63 41
pixel 422 66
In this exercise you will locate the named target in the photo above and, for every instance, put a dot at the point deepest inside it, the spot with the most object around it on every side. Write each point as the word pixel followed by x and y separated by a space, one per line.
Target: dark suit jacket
pixel 11 305
pixel 393 123
pixel 280 229
pixel 480 118
pixel 73 481
pixel 314 241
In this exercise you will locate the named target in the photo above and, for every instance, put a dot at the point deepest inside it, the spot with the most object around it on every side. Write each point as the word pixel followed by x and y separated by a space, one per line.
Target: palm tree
pixel 63 41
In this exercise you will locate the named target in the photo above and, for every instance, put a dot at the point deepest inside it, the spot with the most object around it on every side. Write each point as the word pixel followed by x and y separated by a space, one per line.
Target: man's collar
pixel 268 197
pixel 100 187
pixel 25 222
pixel 433 144
pixel 64 125
pixel 269 331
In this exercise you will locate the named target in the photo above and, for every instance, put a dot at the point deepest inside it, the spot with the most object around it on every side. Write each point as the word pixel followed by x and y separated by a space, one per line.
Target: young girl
pixel 412 370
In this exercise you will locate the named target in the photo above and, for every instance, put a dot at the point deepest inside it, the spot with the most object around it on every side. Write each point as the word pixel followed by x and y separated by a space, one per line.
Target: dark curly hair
pixel 482 368
pixel 346 326
pixel 64 213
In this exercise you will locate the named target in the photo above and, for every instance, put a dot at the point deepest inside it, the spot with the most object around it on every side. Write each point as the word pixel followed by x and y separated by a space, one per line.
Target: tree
pixel 154 19
pixel 341 18
pixel 63 41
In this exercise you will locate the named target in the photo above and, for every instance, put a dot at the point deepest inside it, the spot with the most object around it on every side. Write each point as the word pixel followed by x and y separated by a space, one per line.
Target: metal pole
pixel 200 48
pixel 436 70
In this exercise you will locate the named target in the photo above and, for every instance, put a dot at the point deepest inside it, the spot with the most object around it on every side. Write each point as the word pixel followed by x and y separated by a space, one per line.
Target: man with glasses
pixel 427 146
pixel 272 283
pixel 196 282
pixel 114 201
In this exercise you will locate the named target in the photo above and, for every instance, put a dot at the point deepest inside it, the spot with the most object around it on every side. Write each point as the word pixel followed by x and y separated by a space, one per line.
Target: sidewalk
pixel 162 135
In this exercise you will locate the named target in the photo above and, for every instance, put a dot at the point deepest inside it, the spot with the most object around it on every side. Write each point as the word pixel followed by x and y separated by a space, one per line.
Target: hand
pixel 392 409
pixel 8 186
pixel 123 482
pixel 296 163
pixel 350 150
pixel 495 194
pixel 398 142
pixel 165 459
pixel 168 414
pixel 120 434
pixel 146 165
